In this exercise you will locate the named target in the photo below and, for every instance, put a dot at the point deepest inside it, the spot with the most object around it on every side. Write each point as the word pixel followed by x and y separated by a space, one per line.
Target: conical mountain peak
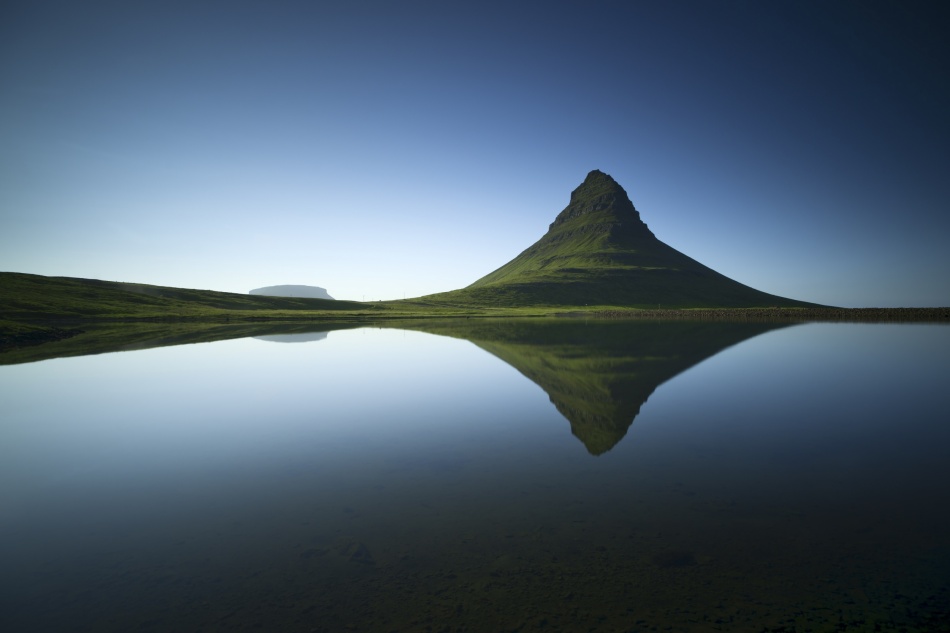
pixel 600 199
pixel 598 252
pixel 596 184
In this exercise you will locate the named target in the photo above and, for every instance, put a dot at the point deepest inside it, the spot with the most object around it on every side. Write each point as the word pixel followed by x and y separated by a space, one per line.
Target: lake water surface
pixel 484 476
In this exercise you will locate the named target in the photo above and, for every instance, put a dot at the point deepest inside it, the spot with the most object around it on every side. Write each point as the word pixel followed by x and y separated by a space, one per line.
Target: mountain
pixel 307 292
pixel 599 252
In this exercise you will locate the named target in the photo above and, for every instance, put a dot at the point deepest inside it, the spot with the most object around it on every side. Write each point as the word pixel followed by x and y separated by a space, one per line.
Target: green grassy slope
pixel 599 252
pixel 38 310
pixel 35 298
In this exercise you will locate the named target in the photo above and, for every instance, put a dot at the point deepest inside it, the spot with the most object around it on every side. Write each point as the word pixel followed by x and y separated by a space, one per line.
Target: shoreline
pixel 850 315
pixel 20 334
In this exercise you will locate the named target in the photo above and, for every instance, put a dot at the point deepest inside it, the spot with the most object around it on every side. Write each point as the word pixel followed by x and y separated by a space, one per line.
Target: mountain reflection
pixel 598 373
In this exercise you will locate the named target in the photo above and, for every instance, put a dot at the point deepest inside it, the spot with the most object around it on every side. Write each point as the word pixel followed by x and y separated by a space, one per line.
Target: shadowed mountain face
pixel 599 373
pixel 599 252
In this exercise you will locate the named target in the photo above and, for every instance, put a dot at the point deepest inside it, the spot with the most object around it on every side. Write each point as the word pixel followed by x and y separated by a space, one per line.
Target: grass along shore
pixel 37 310
pixel 853 315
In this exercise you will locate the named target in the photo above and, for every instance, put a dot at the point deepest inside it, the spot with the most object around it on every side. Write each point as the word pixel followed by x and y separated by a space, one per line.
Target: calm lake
pixel 484 476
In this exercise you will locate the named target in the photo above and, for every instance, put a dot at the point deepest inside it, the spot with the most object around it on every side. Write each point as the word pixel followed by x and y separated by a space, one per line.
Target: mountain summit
pixel 599 252
pixel 601 201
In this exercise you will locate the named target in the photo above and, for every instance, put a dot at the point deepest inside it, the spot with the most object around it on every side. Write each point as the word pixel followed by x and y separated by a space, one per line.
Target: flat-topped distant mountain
pixel 598 252
pixel 307 292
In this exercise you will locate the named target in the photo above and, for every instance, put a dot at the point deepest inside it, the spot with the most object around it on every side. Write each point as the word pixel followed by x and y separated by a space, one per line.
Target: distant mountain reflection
pixel 598 373
pixel 106 337
pixel 293 338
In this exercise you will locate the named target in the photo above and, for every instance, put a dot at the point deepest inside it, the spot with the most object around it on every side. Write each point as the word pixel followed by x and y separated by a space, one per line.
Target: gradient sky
pixel 391 149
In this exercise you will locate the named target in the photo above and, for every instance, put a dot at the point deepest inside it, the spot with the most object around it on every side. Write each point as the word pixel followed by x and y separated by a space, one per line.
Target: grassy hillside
pixel 598 252
pixel 68 316
pixel 44 310
pixel 598 257
pixel 26 297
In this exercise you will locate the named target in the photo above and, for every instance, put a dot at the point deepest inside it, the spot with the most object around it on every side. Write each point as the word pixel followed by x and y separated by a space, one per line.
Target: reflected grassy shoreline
pixel 92 338
pixel 48 312
pixel 48 336
pixel 800 315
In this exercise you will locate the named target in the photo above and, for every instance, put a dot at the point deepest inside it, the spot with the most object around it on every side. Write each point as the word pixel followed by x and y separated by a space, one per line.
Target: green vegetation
pixel 598 258
pixel 598 252
pixel 38 310
pixel 598 372
pixel 36 298
pixel 68 316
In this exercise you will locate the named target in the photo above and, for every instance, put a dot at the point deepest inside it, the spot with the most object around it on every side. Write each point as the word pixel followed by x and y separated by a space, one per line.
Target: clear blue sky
pixel 390 149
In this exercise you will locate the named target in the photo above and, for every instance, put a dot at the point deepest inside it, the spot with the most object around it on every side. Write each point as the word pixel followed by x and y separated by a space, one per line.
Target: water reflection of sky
pixel 801 437
pixel 815 392
pixel 238 402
